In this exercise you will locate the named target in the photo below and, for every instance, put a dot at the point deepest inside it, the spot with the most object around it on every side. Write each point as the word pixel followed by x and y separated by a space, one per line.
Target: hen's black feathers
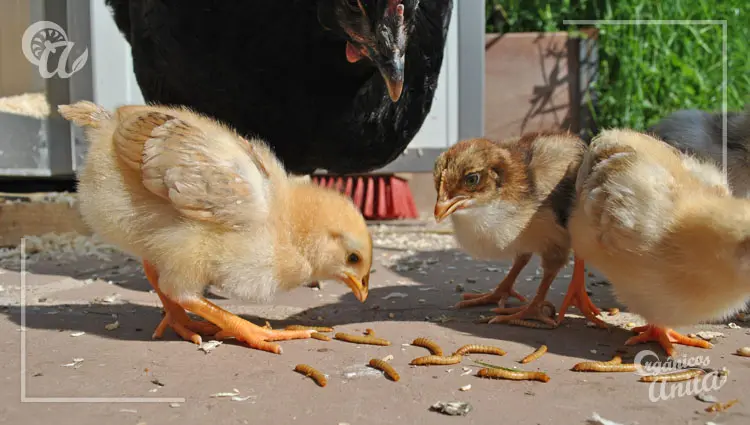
pixel 270 69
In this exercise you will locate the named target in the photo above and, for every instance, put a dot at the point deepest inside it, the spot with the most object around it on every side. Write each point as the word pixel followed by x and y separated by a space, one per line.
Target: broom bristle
pixel 379 197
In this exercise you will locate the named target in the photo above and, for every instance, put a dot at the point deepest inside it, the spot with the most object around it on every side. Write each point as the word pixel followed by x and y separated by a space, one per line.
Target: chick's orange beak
pixel 444 208
pixel 360 288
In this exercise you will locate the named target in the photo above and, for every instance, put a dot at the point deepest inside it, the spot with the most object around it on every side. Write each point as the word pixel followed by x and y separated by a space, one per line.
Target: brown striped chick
pixel 665 231
pixel 201 205
pixel 510 200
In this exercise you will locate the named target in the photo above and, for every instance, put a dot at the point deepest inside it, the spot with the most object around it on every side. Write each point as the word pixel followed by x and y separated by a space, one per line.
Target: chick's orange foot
pixel 236 327
pixel 543 311
pixel 665 337
pixel 175 316
pixel 578 297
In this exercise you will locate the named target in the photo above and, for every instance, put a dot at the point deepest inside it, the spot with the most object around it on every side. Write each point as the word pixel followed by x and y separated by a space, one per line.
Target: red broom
pixel 379 197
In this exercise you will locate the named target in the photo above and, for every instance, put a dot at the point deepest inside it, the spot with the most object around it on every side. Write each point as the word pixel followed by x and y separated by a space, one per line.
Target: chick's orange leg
pixel 665 337
pixel 175 316
pixel 503 291
pixel 578 297
pixel 238 328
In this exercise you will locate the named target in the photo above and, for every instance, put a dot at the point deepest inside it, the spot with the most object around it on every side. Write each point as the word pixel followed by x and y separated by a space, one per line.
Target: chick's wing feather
pixel 218 178
pixel 626 194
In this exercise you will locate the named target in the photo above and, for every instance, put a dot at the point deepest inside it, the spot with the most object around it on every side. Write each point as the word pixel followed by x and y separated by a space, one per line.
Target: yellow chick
pixel 201 205
pixel 666 232
pixel 510 200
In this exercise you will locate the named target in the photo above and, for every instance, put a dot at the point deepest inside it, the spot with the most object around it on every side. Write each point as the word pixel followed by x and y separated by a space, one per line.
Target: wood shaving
pixel 744 351
pixel 76 334
pixel 245 398
pixel 387 358
pixel 709 335
pixel 75 364
pixel 209 346
pixel 707 398
pixel 453 408
pixel 733 325
pixel 174 405
pixel 465 388
pixel 235 392
pixel 112 326
pixel 395 295
pixel 598 420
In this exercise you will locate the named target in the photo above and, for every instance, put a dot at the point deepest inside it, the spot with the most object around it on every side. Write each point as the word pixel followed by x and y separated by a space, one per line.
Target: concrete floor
pixel 67 294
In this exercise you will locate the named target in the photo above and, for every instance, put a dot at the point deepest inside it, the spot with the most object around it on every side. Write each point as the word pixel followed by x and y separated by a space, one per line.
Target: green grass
pixel 649 71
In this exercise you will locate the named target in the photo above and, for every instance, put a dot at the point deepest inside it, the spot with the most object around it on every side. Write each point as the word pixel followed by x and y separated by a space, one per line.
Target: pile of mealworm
pixel 438 358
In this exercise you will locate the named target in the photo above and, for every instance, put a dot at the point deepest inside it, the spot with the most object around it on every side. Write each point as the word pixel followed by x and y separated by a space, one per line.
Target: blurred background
pixel 522 69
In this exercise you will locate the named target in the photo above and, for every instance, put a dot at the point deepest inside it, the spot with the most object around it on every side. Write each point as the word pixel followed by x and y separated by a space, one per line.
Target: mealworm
pixel 529 324
pixel 684 375
pixel 513 375
pixel 614 365
pixel 720 407
pixel 359 339
pixel 744 351
pixel 385 367
pixel 428 344
pixel 535 355
pixel 369 332
pixel 436 360
pixel 313 373
pixel 310 328
pixel 320 336
pixel 614 311
pixel 479 349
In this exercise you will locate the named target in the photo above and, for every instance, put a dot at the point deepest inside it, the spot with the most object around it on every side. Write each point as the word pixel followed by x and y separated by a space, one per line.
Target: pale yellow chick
pixel 665 231
pixel 201 205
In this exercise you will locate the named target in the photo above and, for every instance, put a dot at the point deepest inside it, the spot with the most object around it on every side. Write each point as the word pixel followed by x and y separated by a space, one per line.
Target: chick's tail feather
pixel 84 113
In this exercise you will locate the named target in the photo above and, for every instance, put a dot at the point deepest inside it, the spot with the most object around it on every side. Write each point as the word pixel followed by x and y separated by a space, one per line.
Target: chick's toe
pixel 236 327
pixel 665 337
pixel 540 310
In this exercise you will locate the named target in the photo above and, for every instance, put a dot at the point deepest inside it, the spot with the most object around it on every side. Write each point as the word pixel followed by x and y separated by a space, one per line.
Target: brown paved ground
pixel 67 295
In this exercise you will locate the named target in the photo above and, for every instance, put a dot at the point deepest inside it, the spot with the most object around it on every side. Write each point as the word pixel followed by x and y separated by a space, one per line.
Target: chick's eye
pixel 354 4
pixel 471 179
pixel 353 258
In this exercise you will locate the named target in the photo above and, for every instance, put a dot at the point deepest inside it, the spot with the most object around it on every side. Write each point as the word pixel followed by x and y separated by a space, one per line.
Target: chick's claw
pixel 187 329
pixel 261 338
pixel 541 311
pixel 498 297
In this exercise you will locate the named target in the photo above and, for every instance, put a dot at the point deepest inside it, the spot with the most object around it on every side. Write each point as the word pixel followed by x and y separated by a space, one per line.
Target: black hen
pixel 342 85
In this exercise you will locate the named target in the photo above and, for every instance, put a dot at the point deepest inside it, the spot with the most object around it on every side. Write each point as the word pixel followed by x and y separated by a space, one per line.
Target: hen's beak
pixel 392 71
pixel 444 208
pixel 359 288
